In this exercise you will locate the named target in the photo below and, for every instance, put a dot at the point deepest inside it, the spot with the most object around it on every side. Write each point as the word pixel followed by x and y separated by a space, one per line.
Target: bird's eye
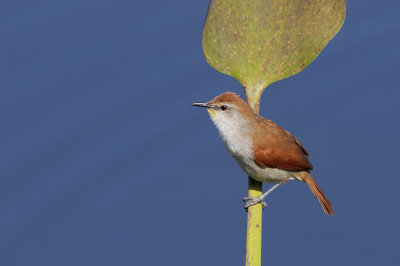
pixel 224 107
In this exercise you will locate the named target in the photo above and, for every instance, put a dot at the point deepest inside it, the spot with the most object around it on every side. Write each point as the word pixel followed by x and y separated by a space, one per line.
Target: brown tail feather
pixel 318 193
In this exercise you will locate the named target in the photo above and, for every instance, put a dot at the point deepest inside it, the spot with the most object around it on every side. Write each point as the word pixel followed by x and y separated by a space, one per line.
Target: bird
pixel 265 151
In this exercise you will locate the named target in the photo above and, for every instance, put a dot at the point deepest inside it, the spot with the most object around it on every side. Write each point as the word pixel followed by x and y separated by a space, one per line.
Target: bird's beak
pixel 206 105
pixel 210 108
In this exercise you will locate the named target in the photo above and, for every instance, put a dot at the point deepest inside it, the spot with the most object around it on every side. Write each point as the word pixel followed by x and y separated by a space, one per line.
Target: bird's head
pixel 227 109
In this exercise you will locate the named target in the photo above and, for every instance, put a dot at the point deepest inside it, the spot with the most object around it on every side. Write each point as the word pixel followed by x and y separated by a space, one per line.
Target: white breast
pixel 235 135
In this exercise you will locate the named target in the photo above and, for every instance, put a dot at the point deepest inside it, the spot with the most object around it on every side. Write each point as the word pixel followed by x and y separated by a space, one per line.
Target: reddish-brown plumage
pixel 277 148
pixel 273 146
pixel 317 191
pixel 230 97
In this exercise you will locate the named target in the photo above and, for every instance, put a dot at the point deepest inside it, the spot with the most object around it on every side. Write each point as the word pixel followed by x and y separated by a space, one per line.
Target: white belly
pixel 263 174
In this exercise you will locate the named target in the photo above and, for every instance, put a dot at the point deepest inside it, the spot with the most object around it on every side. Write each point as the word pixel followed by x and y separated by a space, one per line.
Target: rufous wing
pixel 277 148
pixel 285 160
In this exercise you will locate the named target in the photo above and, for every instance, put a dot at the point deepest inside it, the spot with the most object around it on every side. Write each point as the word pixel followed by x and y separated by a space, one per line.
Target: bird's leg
pixel 252 201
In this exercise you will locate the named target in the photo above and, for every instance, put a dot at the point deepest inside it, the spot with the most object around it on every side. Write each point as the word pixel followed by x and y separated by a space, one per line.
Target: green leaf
pixel 262 41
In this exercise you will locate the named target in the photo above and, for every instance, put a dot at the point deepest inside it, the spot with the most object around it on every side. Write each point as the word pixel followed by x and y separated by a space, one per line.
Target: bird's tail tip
pixel 326 204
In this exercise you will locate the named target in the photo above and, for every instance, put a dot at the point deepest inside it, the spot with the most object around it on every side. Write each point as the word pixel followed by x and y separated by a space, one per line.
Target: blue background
pixel 103 162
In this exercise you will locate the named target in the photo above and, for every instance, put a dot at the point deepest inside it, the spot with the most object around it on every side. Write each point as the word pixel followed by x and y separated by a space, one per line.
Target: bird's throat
pixel 211 112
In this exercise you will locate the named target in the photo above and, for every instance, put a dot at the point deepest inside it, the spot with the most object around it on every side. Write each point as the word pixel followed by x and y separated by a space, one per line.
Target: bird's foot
pixel 250 201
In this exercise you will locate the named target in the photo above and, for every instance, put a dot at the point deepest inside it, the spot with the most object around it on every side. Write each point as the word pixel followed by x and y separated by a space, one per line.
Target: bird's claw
pixel 250 201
